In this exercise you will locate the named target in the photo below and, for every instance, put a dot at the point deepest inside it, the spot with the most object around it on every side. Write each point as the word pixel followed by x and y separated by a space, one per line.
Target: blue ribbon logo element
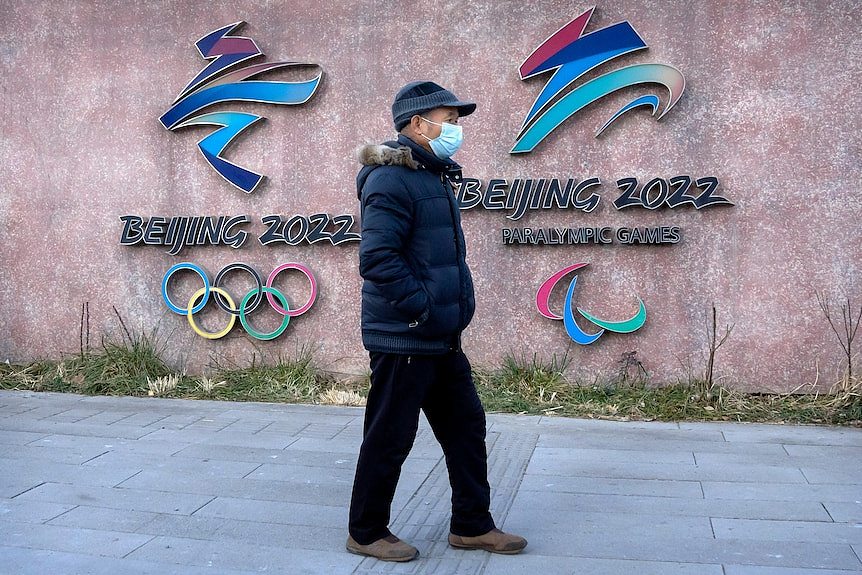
pixel 577 334
pixel 218 83
pixel 570 54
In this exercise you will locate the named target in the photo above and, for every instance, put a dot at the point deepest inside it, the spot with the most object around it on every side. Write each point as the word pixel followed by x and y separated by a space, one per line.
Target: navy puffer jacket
pixel 417 296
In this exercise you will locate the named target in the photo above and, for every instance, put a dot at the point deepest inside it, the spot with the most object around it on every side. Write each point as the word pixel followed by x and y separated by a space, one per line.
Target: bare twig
pixel 82 329
pixel 714 344
pixel 122 323
pixel 850 326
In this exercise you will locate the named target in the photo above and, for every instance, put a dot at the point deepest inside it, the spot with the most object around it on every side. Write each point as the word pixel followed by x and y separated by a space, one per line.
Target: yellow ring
pixel 191 318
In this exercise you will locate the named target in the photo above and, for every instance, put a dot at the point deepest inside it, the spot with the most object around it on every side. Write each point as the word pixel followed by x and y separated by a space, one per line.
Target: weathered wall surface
pixel 770 109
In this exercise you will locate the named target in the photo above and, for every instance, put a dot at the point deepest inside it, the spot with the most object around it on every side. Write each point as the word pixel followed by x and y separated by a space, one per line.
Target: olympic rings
pixel 257 296
pixel 248 303
pixel 251 331
pixel 311 298
pixel 185 266
pixel 190 314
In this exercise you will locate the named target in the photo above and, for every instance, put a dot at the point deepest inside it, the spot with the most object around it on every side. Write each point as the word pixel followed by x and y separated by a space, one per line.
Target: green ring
pixel 247 326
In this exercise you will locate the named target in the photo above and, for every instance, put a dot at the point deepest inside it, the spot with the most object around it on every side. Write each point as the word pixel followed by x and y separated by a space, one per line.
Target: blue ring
pixel 185 266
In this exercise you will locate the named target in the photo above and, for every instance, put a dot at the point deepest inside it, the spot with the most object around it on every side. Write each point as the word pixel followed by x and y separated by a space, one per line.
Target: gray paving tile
pixel 760 473
pixel 248 425
pixel 246 488
pixel 825 460
pixel 613 455
pixel 643 442
pixel 18 437
pixel 108 417
pixel 845 511
pixel 160 419
pixel 103 518
pixel 802 435
pixel 198 436
pixel 779 491
pixel 44 412
pixel 850 474
pixel 214 424
pixel 430 563
pixel 71 428
pixel 597 524
pixel 304 473
pixel 552 565
pixel 257 558
pixel 22 471
pixel 839 452
pixel 57 538
pixel 277 534
pixel 106 444
pixel 202 469
pixel 277 412
pixel 757 570
pixel 117 498
pixel 652 487
pixel 322 430
pixel 817 532
pixel 18 561
pixel 30 511
pixel 12 485
pixel 38 452
pixel 75 414
pixel 285 513
pixel 424 447
pixel 626 431
pixel 647 547
pixel 183 526
pixel 531 506
pixel 278 456
pixel 270 481
pixel 570 424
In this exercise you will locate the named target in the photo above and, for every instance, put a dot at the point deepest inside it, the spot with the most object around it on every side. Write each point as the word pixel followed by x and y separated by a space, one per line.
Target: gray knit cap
pixel 420 97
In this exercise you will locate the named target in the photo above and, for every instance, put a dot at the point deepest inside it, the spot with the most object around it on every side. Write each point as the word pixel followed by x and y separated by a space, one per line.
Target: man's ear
pixel 414 123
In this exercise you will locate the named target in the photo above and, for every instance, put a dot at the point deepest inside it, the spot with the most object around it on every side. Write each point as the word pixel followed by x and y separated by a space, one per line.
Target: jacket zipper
pixel 450 192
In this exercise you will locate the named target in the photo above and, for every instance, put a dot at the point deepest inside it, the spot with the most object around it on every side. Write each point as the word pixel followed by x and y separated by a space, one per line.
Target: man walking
pixel 417 298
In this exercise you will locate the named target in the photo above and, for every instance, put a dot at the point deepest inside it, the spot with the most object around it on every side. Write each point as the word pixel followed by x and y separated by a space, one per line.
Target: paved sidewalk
pixel 129 486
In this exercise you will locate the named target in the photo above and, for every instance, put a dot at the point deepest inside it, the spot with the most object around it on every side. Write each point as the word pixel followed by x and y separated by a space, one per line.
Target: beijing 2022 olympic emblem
pixel 220 81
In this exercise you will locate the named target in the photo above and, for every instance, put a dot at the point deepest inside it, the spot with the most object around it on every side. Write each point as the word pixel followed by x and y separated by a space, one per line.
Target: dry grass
pixel 520 385
pixel 161 386
pixel 335 396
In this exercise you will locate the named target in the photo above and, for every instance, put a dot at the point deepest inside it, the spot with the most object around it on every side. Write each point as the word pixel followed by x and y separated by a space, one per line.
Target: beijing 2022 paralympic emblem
pixel 218 83
pixel 578 335
pixel 569 54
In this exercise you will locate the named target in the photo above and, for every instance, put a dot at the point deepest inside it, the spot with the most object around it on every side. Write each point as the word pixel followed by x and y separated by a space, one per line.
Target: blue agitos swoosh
pixel 578 335
pixel 570 54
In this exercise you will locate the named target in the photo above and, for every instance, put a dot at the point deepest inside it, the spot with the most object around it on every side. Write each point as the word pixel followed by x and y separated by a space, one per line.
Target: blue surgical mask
pixel 447 143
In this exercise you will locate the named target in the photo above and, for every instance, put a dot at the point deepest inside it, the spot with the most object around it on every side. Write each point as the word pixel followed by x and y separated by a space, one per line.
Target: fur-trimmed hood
pixel 383 155
pixel 401 153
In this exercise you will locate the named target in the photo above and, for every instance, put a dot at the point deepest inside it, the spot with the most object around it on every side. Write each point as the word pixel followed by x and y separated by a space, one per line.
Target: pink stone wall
pixel 770 108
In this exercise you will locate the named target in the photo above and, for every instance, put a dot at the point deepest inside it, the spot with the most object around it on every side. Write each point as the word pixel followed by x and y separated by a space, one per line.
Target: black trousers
pixel 442 386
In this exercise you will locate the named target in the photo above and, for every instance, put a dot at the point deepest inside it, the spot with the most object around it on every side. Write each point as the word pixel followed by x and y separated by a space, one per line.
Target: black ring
pixel 255 302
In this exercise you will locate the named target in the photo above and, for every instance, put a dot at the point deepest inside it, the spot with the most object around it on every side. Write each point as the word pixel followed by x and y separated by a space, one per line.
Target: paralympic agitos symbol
pixel 569 54
pixel 543 296
pixel 248 304
pixel 216 84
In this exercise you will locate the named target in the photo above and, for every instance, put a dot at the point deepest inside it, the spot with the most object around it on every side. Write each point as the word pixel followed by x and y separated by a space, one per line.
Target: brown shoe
pixel 389 548
pixel 494 541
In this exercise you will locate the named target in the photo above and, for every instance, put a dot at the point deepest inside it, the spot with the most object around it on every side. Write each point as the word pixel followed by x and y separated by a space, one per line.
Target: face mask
pixel 447 143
